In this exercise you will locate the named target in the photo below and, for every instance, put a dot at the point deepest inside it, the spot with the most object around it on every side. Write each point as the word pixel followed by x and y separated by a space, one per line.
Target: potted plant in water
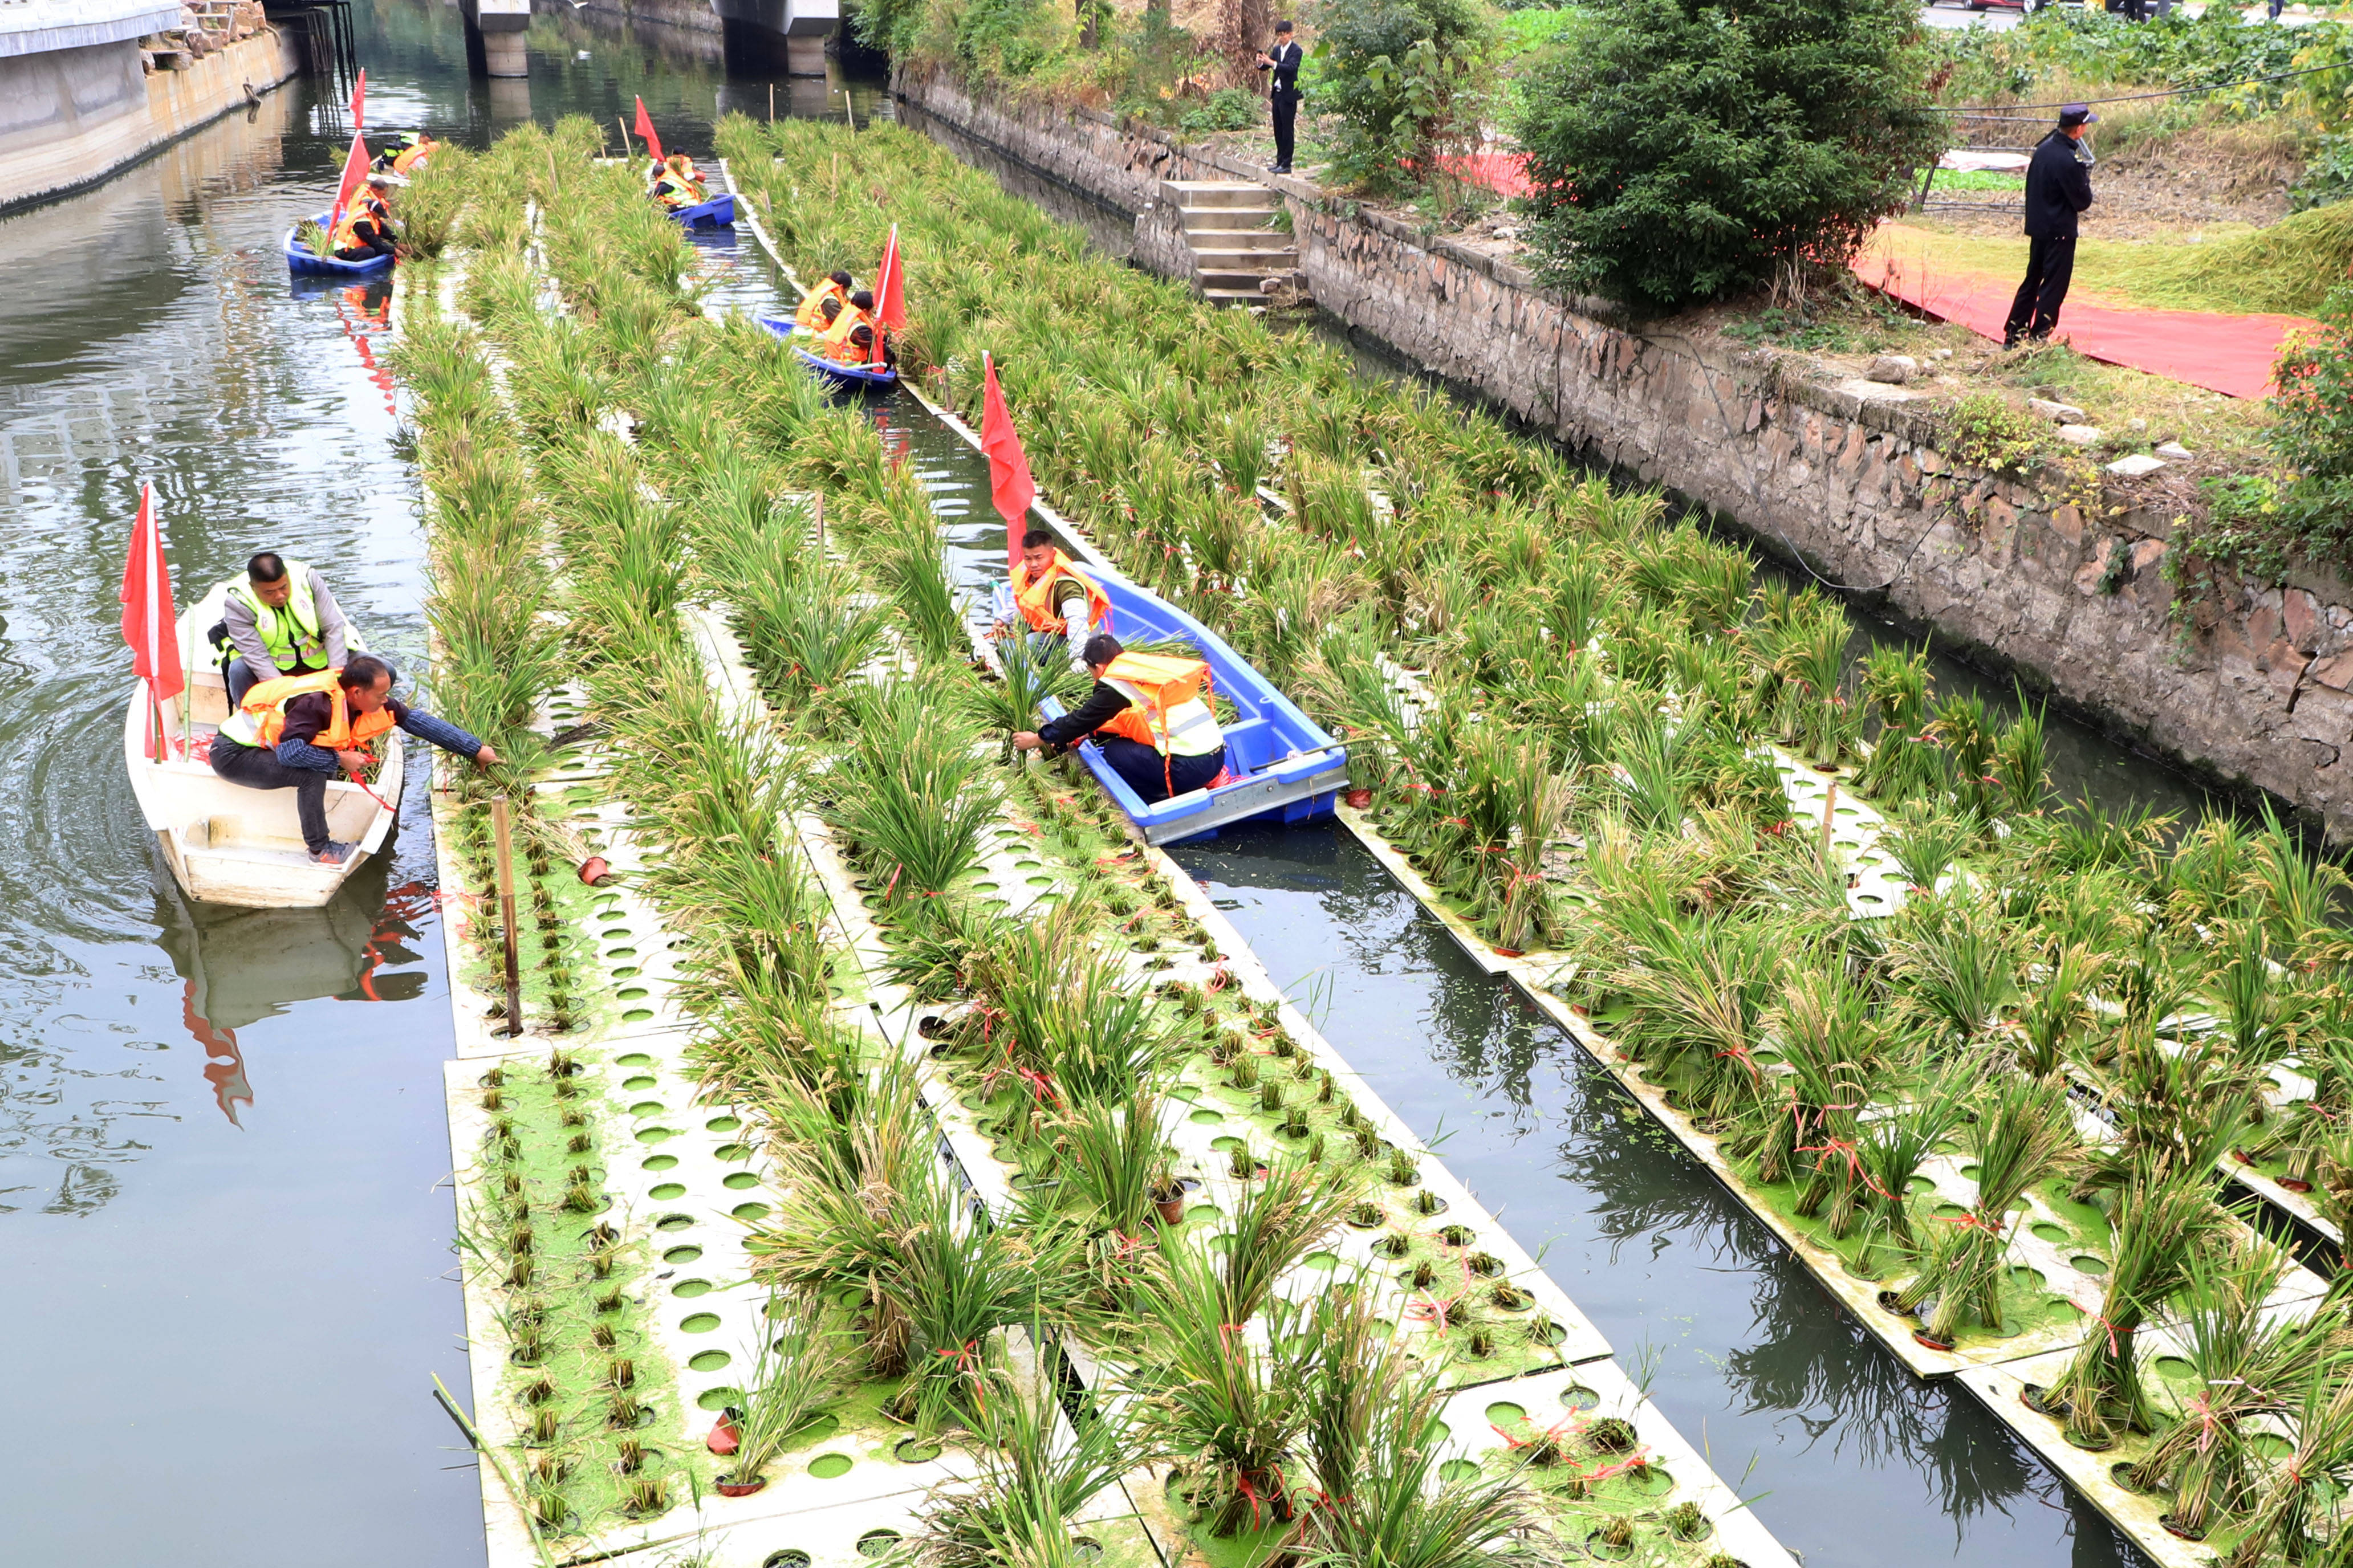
pixel 793 1371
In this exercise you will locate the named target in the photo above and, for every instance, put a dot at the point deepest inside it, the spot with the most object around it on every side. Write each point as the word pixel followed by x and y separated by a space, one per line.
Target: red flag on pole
pixel 1009 485
pixel 354 173
pixel 359 103
pixel 890 296
pixel 645 129
pixel 151 623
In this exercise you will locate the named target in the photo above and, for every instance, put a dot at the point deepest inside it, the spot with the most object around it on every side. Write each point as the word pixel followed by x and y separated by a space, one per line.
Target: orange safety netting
pixel 2230 355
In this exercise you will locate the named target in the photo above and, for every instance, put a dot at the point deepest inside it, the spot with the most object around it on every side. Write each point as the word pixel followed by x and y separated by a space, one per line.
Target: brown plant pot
pixel 1921 1336
pixel 722 1440
pixel 1358 799
pixel 738 1489
pixel 2293 1185
pixel 1172 1210
pixel 594 870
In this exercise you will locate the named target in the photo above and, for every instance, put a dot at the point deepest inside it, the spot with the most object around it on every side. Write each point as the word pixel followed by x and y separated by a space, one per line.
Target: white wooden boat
pixel 226 844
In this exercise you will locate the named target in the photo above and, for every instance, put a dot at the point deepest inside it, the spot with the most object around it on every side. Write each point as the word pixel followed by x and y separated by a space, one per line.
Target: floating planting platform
pixel 807 1221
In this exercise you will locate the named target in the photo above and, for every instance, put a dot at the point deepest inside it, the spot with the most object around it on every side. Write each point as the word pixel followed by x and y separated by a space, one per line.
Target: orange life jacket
pixel 836 344
pixel 263 713
pixel 811 313
pixel 410 157
pixel 1036 600
pixel 1168 704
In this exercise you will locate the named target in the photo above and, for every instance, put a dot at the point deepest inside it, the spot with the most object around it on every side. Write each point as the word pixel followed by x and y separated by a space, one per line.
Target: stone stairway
pixel 1225 227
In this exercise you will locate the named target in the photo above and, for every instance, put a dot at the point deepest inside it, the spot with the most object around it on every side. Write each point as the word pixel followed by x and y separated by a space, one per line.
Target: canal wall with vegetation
pixel 2054 571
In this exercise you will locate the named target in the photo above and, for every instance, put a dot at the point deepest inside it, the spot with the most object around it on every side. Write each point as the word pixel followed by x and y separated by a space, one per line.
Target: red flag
pixel 645 129
pixel 890 296
pixel 151 623
pixel 354 174
pixel 359 103
pixel 1009 485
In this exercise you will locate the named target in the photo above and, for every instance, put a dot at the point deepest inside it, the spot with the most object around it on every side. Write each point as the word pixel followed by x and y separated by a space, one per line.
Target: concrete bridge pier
pixel 494 36
pixel 760 33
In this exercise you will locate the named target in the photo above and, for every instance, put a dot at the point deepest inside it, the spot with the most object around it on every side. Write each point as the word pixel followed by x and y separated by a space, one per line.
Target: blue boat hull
pixel 1283 766
pixel 719 212
pixel 299 259
pixel 849 375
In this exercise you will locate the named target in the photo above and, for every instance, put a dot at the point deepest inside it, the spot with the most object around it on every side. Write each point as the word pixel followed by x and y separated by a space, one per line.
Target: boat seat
pixel 1250 744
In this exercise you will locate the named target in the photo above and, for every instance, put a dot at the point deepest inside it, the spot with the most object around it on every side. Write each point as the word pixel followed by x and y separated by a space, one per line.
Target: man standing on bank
pixel 2058 188
pixel 1283 94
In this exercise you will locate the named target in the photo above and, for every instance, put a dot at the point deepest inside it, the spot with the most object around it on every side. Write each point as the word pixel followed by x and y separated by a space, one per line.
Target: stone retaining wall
pixel 1848 478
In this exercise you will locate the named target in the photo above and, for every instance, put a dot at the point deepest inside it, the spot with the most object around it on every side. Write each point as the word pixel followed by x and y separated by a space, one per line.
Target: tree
pixel 1684 150
pixel 1404 77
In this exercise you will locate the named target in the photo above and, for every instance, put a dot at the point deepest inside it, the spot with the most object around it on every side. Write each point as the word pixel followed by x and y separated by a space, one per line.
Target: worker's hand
pixel 1001 630
pixel 1026 740
pixel 353 762
pixel 486 756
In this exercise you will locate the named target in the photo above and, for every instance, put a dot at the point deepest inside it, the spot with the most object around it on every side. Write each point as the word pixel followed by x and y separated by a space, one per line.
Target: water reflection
pixel 1849 1458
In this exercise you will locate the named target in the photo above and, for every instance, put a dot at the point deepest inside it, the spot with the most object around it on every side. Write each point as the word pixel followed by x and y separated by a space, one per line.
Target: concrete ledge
pixel 71 119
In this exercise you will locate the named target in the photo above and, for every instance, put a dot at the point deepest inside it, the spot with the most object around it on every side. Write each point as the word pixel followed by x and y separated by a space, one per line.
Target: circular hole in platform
pixel 737 1181
pixel 699 1322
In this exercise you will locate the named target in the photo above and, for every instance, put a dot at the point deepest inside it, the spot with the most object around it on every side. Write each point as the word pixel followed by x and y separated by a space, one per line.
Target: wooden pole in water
pixel 502 831
pixel 772 103
pixel 1830 804
pixel 820 512
pixel 626 156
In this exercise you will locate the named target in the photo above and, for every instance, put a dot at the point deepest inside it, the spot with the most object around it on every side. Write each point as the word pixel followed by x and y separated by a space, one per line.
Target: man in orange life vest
pixel 1053 598
pixel 300 730
pixel 1151 717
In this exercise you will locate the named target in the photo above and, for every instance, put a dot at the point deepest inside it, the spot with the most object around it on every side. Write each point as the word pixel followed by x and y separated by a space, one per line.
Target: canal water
pixel 223 1154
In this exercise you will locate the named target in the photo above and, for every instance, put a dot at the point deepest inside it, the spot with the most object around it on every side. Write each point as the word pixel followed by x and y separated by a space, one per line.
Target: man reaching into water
pixel 298 731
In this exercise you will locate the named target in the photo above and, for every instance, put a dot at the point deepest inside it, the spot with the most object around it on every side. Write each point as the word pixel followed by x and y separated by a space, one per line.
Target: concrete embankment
pixel 71 117
pixel 1854 479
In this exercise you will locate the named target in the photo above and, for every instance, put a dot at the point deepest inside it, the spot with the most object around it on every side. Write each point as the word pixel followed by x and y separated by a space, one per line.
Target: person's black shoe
pixel 1277 168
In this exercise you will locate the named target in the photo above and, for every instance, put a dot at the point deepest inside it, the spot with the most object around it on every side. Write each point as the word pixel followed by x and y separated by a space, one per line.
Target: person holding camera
pixel 1282 94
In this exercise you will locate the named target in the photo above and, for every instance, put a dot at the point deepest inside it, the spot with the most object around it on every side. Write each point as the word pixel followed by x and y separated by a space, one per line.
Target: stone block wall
pixel 1850 478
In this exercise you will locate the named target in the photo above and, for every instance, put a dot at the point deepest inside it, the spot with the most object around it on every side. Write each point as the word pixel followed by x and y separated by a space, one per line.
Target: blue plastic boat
pixel 856 376
pixel 719 212
pixel 300 259
pixel 1285 767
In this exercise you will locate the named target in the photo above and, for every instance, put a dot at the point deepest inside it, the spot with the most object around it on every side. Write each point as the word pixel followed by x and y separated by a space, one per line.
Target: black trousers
pixel 2050 267
pixel 1286 114
pixel 258 767
pixel 1142 767
pixel 366 251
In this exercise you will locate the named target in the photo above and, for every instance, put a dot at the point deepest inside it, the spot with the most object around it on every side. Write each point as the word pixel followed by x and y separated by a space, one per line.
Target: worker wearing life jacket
pixel 1048 597
pixel 364 231
pixel 412 157
pixel 810 317
pixel 676 185
pixel 1150 716
pixel 297 731
pixel 854 338
pixel 279 618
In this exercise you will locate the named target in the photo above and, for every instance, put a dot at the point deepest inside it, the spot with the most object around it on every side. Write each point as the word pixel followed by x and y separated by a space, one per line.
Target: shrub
pixel 1229 108
pixel 2327 176
pixel 1685 150
pixel 1001 40
pixel 1989 431
pixel 1405 78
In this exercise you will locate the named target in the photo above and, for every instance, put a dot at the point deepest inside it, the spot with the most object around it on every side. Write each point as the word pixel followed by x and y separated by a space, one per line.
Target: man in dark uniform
pixel 1283 94
pixel 2058 187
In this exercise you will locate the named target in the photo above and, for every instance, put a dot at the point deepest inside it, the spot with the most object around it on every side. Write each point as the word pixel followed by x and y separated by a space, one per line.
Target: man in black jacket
pixel 2058 187
pixel 1283 94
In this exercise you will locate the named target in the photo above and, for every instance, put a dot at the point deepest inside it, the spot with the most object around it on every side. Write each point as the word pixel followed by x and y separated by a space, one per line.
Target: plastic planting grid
pixel 2046 1250
pixel 686 1194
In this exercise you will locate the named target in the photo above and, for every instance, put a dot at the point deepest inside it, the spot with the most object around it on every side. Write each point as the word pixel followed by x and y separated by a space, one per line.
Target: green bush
pixel 1406 79
pixel 2327 176
pixel 1685 150
pixel 1989 431
pixel 1229 108
pixel 1002 39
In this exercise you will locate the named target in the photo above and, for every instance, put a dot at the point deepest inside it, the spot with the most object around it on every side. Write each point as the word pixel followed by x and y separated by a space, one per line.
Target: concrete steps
pixel 1226 228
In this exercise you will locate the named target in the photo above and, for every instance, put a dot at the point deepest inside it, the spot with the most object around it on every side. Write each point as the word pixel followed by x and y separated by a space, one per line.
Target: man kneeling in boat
pixel 676 185
pixel 853 337
pixel 1052 597
pixel 366 231
pixel 298 731
pixel 1150 714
